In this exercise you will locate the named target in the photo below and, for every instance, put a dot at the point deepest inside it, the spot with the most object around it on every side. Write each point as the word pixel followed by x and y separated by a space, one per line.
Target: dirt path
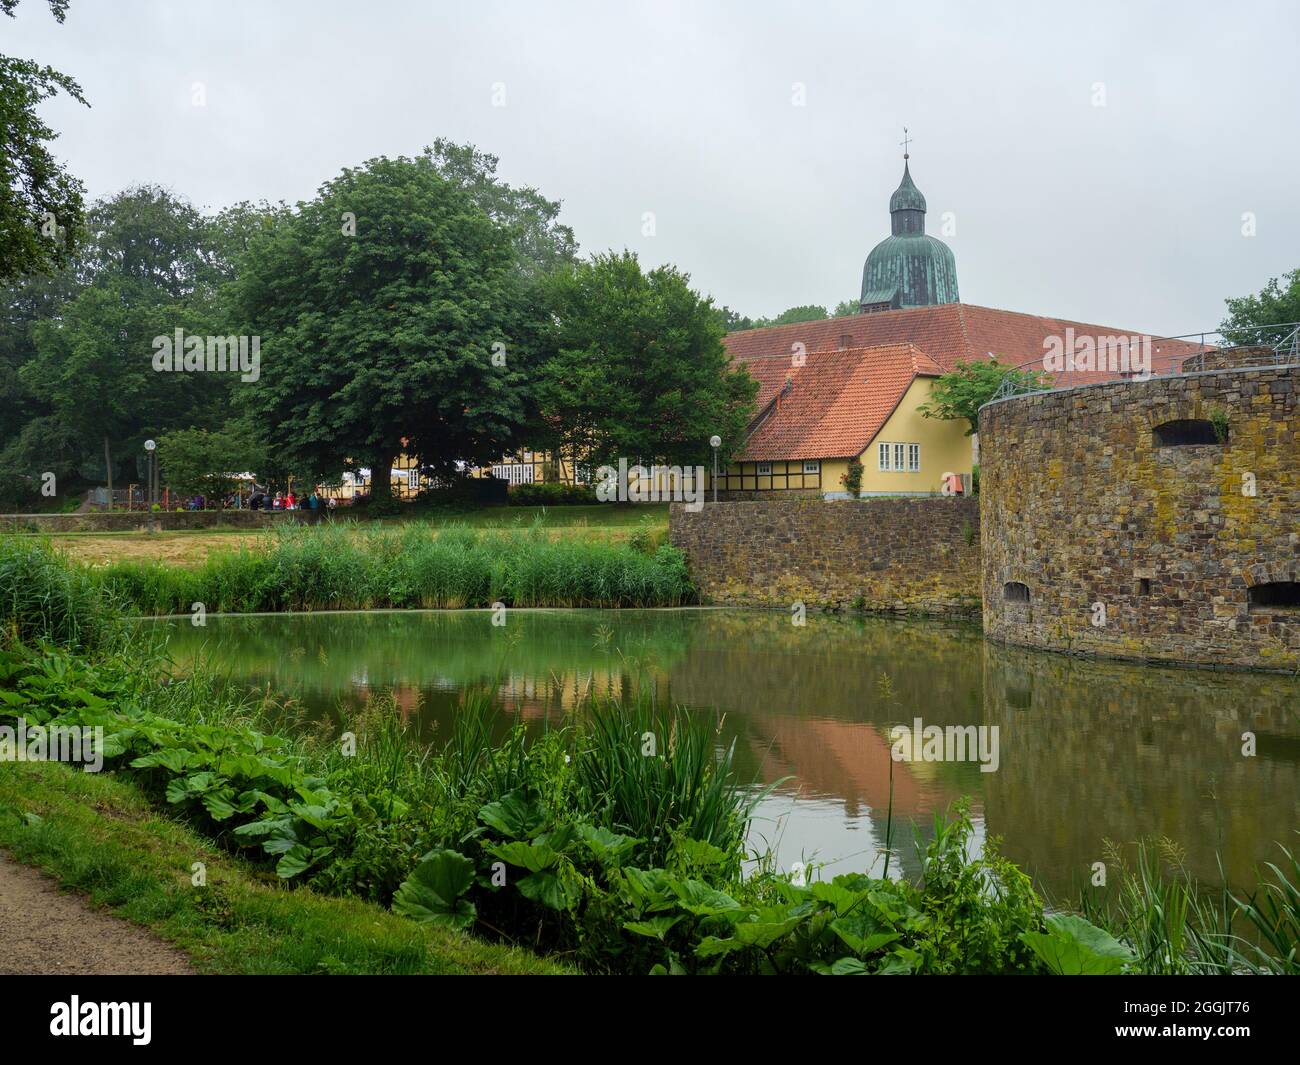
pixel 44 933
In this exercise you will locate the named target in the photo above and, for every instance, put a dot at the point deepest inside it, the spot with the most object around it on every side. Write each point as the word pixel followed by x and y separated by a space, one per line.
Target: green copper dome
pixel 908 268
pixel 907 197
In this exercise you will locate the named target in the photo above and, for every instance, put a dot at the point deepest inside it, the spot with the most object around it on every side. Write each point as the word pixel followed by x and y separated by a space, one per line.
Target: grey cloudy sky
pixel 1128 214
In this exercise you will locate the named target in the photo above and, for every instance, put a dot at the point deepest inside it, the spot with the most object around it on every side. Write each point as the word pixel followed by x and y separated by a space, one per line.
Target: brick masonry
pixel 901 555
pixel 1080 504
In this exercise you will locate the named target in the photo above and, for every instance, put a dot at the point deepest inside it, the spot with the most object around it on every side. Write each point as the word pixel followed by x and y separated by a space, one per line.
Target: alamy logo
pixel 102 1018
pixel 1113 354
pixel 946 743
pixel 656 484
pixel 195 354
pixel 53 743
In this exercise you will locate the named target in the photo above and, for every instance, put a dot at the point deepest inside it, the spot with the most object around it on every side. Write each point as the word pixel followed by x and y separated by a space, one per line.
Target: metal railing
pixel 1274 345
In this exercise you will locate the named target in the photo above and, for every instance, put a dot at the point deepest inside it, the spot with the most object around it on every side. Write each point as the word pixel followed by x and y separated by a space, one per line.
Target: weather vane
pixel 905 142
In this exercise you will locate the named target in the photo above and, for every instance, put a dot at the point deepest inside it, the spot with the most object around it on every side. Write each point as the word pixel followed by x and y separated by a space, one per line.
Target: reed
pixel 336 567
pixel 43 598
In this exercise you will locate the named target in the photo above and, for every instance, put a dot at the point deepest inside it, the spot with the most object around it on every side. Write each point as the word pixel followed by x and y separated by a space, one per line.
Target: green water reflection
pixel 1088 751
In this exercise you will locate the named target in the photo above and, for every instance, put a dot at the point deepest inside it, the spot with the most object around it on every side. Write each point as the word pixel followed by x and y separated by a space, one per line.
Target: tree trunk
pixel 108 470
pixel 381 479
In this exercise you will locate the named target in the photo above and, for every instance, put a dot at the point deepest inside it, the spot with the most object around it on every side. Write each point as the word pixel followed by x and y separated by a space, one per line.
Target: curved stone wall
pixel 1102 535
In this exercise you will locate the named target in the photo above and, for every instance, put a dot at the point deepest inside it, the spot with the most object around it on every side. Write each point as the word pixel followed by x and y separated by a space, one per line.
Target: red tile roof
pixel 832 405
pixel 946 332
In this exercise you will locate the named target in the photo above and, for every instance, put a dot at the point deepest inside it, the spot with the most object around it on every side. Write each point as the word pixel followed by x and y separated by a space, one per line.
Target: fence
pixel 1272 345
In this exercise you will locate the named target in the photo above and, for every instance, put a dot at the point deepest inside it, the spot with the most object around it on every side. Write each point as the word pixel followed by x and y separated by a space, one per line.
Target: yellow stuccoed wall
pixel 945 447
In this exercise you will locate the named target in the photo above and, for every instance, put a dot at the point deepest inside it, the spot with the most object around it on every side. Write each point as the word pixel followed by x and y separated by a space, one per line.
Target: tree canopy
pixel 40 202
pixel 639 369
pixel 393 317
pixel 1275 304
pixel 969 385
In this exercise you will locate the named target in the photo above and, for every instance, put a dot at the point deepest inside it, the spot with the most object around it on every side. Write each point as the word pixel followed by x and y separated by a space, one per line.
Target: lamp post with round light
pixel 715 442
pixel 152 449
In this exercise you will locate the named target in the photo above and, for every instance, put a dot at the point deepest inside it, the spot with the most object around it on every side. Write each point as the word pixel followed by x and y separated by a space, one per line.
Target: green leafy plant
pixel 852 479
pixel 1072 946
pixel 434 892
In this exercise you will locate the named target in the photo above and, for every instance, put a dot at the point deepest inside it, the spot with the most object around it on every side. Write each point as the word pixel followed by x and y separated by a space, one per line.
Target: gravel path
pixel 44 932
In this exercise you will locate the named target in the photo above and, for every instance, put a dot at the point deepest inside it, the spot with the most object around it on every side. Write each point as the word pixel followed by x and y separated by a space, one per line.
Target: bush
pixel 551 495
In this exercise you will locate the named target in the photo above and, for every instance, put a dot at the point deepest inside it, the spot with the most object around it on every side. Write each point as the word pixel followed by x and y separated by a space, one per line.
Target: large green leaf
pixel 698 898
pixel 862 933
pixel 656 927
pixel 514 815
pixel 1072 946
pixel 432 893
pixel 296 860
pixel 531 856
pixel 608 848
pixel 546 888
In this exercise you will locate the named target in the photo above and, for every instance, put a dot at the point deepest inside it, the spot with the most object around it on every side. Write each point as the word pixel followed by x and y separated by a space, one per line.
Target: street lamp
pixel 715 442
pixel 151 448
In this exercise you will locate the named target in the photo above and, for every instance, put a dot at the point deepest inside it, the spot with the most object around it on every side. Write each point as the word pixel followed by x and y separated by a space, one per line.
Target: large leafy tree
pixel 196 461
pixel 146 269
pixel 393 316
pixel 543 244
pixel 969 385
pixel 40 202
pixel 1250 318
pixel 639 369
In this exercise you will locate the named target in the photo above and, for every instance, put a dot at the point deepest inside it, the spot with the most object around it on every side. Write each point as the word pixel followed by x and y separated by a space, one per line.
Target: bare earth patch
pixel 44 932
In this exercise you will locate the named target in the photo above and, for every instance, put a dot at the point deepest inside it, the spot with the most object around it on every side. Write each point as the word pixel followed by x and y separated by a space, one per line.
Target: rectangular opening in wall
pixel 1188 432
pixel 1274 596
pixel 1144 586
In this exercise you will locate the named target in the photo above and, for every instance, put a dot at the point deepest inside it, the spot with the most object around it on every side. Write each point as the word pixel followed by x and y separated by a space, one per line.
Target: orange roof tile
pixel 946 332
pixel 833 404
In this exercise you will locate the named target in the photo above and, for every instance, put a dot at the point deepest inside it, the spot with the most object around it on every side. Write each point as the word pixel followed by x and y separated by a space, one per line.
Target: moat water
pixel 1088 753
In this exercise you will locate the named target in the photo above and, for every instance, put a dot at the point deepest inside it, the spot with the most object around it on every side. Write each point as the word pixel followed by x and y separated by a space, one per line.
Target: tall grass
pixel 326 567
pixel 43 598
pixel 652 771
pixel 1177 926
pixel 1273 910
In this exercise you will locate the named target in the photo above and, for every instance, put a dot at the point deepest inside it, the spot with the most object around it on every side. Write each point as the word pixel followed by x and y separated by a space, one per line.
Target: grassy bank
pixel 102 837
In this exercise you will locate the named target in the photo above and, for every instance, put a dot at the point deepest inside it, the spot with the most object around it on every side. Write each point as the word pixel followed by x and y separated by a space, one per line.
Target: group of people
pixel 289 501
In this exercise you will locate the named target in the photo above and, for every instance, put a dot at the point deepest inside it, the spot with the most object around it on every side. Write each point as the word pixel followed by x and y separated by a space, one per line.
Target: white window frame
pixel 513 472
pixel 900 458
pixel 764 469
pixel 811 466
pixel 882 457
pixel 413 478
pixel 913 458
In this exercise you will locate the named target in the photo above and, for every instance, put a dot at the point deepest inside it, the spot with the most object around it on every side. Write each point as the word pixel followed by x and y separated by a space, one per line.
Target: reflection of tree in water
pixel 1095 750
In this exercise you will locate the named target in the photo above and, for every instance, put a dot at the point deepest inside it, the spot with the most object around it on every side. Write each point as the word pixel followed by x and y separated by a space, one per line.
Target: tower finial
pixel 905 142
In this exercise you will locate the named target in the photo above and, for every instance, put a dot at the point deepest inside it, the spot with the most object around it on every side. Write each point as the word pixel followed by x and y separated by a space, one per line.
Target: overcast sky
pixel 1097 159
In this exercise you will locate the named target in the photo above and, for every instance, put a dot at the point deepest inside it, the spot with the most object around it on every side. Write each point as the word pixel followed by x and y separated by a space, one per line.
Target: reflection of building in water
pixel 845 760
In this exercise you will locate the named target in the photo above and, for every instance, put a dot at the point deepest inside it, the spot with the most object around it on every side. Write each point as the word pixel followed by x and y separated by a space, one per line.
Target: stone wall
pixel 141 521
pixel 1231 358
pixel 1131 549
pixel 904 555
